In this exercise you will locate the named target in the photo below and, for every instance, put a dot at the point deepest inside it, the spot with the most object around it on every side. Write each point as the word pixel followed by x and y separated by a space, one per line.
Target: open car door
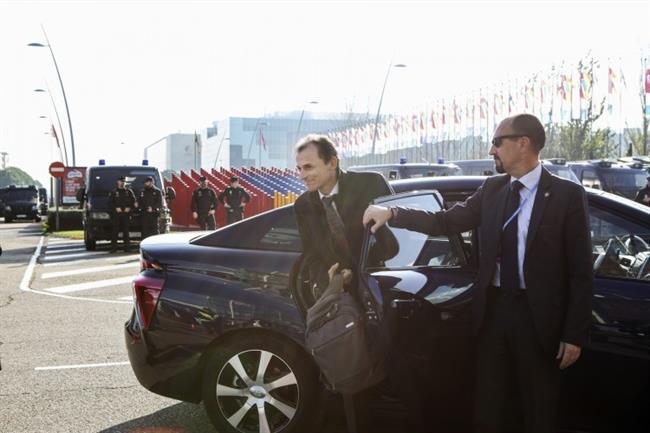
pixel 424 291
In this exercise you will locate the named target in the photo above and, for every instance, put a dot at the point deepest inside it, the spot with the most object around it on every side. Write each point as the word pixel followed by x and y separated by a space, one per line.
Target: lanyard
pixel 521 205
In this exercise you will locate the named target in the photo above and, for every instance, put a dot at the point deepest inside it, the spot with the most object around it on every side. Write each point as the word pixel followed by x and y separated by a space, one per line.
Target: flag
pixel 611 81
pixel 511 103
pixel 484 104
pixel 647 80
pixel 262 140
pixel 433 119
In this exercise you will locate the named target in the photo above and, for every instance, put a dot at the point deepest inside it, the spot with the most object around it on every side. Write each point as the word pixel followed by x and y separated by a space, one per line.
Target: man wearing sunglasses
pixel 531 305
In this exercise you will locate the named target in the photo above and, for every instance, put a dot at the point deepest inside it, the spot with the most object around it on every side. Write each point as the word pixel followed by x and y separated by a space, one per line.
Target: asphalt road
pixel 64 361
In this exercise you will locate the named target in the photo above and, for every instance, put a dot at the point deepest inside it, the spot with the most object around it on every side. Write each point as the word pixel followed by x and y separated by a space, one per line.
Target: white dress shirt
pixel 529 181
pixel 334 191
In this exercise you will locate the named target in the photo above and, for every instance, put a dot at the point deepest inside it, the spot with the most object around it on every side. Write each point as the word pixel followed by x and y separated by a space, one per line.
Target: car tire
pixel 8 220
pixel 234 404
pixel 90 244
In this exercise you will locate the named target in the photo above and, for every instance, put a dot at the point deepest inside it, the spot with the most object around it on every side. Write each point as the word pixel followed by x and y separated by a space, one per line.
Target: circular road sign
pixel 57 169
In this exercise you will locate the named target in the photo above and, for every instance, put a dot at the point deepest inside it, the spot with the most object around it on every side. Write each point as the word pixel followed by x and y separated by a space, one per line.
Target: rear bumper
pixel 159 371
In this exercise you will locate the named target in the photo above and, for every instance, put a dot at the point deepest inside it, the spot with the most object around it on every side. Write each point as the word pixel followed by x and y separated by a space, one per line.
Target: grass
pixel 69 234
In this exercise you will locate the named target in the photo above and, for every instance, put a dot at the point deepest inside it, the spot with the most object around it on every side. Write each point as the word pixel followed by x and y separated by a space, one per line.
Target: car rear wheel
pixel 263 384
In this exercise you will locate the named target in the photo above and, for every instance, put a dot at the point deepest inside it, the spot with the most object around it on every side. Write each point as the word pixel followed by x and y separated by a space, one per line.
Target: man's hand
pixel 646 198
pixel 227 206
pixel 211 212
pixel 568 353
pixel 118 210
pixel 195 215
pixel 332 271
pixel 346 273
pixel 378 215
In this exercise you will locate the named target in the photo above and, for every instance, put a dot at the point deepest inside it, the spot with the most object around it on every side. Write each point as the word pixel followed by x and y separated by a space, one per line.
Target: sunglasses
pixel 498 141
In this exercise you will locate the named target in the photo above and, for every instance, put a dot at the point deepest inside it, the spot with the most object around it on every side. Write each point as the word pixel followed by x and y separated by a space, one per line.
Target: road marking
pixel 63 241
pixel 63 246
pixel 89 270
pixel 96 259
pixel 29 271
pixel 90 285
pixel 62 251
pixel 126 298
pixel 66 367
pixel 70 256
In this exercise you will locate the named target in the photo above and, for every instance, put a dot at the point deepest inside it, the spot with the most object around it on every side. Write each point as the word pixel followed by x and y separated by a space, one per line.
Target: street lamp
pixel 381 99
pixel 58 119
pixel 65 99
pixel 302 114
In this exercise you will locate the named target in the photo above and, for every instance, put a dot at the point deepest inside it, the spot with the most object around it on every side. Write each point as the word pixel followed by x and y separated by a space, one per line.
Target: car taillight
pixel 146 291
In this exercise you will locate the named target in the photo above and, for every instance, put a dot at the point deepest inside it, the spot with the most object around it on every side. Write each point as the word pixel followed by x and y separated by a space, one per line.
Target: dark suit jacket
pixel 558 269
pixel 356 191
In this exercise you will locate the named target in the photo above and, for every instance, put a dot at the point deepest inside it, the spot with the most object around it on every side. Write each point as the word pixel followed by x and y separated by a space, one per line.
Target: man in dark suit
pixel 532 297
pixel 329 216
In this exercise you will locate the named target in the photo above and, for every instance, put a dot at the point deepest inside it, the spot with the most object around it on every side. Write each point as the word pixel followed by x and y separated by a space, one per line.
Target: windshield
pixel 424 171
pixel 103 181
pixel 20 195
pixel 624 178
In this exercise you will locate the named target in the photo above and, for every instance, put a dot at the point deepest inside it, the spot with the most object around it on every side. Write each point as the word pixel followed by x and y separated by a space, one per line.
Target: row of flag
pixel 555 96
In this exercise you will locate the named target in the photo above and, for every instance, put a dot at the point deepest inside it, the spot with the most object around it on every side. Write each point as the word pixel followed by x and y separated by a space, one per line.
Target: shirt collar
pixel 530 179
pixel 335 190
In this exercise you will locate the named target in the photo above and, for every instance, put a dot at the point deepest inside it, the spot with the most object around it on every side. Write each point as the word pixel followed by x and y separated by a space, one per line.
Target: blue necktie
pixel 509 241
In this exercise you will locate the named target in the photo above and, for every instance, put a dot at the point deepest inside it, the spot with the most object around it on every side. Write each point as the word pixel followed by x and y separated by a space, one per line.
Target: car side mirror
pixel 171 193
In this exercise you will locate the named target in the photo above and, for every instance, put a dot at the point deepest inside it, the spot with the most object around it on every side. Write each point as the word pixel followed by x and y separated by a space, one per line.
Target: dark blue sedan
pixel 219 318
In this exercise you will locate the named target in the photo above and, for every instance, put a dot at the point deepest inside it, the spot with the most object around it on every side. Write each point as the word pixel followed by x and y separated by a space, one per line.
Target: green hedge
pixel 69 219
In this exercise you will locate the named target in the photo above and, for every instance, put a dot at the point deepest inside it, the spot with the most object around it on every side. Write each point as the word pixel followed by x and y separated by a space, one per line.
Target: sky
pixel 137 71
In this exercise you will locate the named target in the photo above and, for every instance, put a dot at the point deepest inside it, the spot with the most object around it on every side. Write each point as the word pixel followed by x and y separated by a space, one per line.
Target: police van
pixel 20 202
pixel 94 198
pixel 486 167
pixel 610 176
pixel 410 170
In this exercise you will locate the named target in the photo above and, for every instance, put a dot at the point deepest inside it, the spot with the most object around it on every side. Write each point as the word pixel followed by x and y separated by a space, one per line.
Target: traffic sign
pixel 57 169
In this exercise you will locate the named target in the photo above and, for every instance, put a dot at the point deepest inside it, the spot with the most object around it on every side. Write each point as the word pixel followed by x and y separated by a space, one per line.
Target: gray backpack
pixel 347 342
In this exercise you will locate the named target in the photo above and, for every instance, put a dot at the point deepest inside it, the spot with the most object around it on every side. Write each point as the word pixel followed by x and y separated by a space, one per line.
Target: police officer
pixel 643 196
pixel 150 203
pixel 122 201
pixel 204 205
pixel 234 199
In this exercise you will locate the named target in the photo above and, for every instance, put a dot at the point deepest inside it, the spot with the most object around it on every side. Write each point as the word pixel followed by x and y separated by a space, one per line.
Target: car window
pixel 274 230
pixel 418 249
pixel 590 179
pixel 621 248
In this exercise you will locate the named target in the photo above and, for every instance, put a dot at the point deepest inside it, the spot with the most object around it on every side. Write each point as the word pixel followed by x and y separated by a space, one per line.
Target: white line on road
pixel 90 285
pixel 27 277
pixel 65 367
pixel 63 246
pixel 70 256
pixel 126 298
pixel 63 241
pixel 96 260
pixel 50 252
pixel 89 270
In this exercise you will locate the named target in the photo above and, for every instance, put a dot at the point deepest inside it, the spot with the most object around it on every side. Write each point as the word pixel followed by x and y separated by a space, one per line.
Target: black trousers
pixel 515 376
pixel 120 223
pixel 235 214
pixel 358 411
pixel 206 221
pixel 149 224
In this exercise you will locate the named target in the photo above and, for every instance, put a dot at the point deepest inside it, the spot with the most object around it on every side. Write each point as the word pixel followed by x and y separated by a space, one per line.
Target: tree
pixel 16 176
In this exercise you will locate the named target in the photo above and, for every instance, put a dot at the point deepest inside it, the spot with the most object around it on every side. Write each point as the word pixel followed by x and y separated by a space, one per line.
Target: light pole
pixel 58 120
pixel 381 99
pixel 65 99
pixel 302 114
pixel 56 140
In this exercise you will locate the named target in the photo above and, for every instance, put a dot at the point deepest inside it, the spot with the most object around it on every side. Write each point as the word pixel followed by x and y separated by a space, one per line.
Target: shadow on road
pixel 179 418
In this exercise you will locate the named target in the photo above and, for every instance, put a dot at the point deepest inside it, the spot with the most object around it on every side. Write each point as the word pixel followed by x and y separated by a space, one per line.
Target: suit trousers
pixel 515 376
pixel 206 221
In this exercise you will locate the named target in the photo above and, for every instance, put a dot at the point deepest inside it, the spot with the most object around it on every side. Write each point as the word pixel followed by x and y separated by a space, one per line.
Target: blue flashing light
pixel 402 160
pixel 441 160
pixel 102 162
pixel 145 162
